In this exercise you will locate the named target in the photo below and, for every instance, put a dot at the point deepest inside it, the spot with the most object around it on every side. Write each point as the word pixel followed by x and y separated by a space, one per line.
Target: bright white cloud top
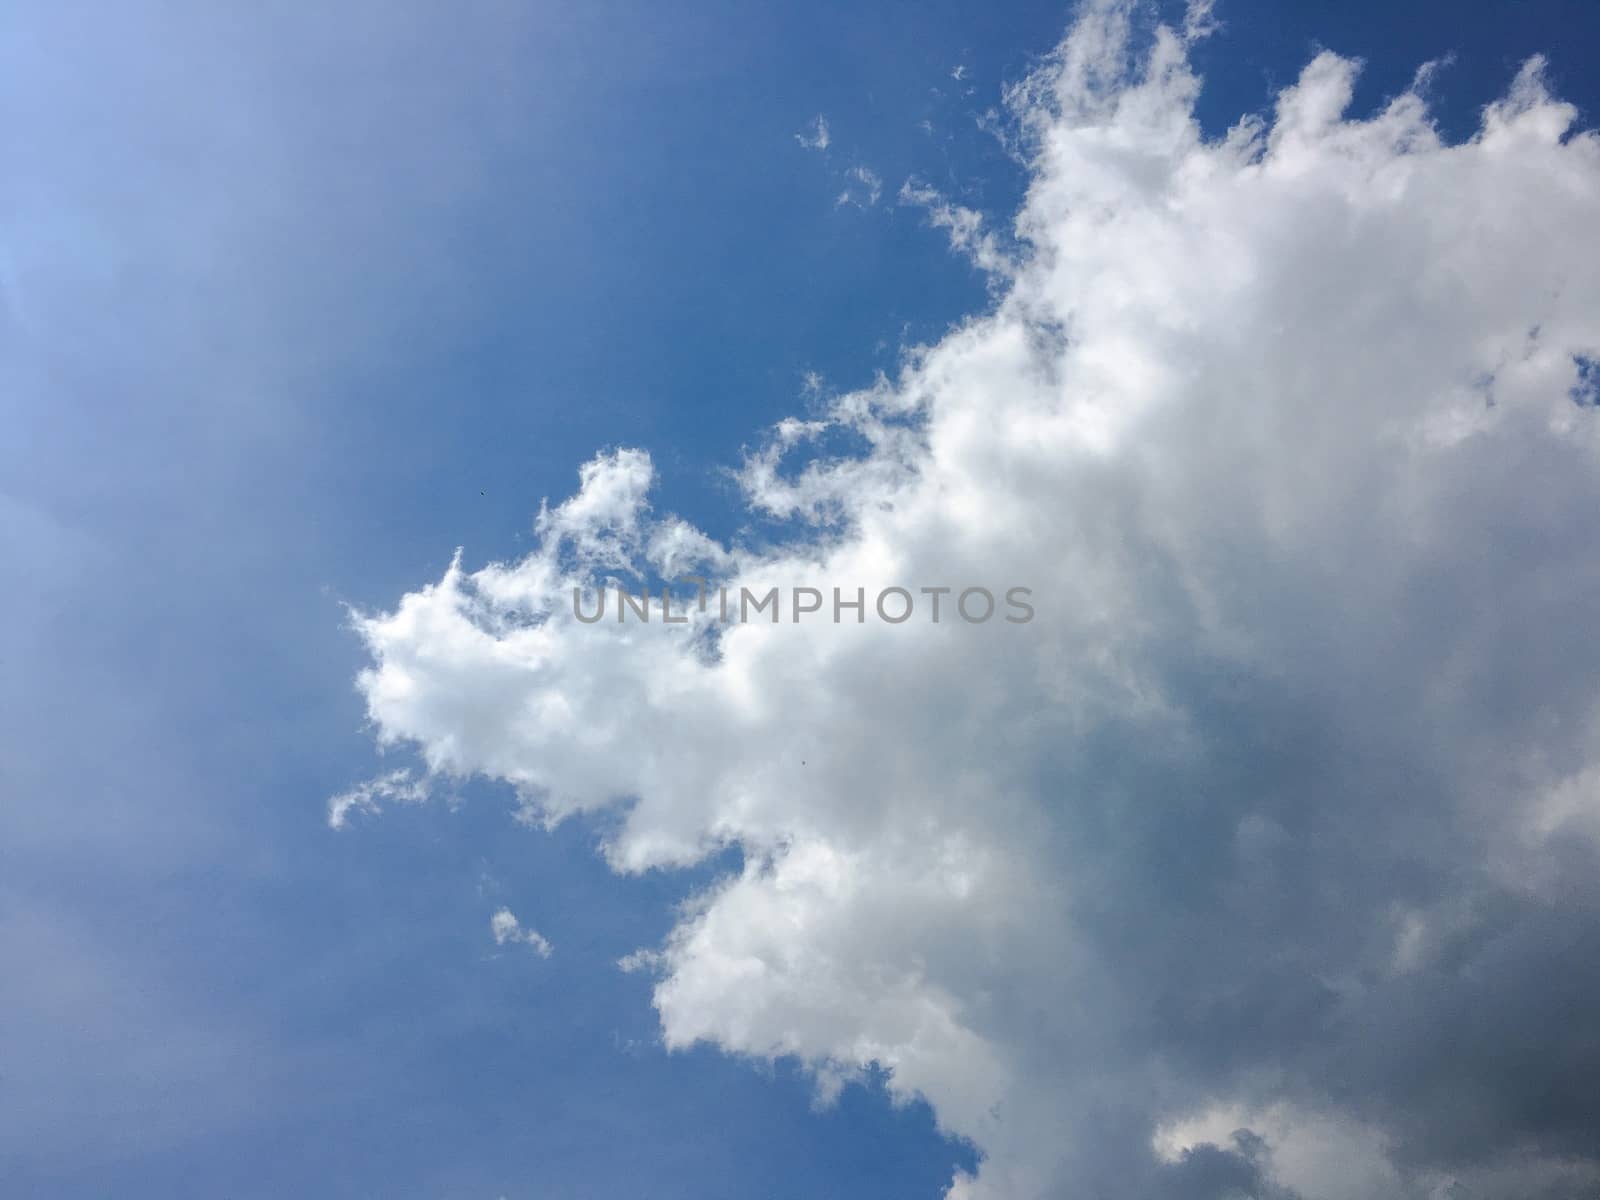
pixel 1281 816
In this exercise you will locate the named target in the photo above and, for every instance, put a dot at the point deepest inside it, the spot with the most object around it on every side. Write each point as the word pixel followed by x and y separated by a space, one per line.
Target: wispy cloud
pixel 864 189
pixel 399 786
pixel 508 931
pixel 815 136
pixel 966 228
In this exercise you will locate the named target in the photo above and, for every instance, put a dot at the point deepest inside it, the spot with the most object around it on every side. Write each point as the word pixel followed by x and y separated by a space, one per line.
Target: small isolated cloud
pixel 864 189
pixel 508 931
pixel 641 960
pixel 964 226
pixel 815 136
pixel 398 786
pixel 960 73
pixel 1198 20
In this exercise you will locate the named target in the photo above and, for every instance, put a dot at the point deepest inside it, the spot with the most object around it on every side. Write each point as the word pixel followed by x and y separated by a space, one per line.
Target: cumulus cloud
pixel 508 931
pixel 1263 861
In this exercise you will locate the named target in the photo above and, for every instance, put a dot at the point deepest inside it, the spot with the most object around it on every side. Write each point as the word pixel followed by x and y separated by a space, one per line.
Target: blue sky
pixel 294 305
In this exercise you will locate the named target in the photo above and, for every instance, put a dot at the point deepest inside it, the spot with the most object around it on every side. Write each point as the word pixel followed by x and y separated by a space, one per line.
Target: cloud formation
pixel 1263 861
pixel 815 136
pixel 508 931
pixel 863 189
pixel 398 786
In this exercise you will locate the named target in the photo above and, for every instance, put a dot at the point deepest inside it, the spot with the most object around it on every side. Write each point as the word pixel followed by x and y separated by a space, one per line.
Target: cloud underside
pixel 1263 861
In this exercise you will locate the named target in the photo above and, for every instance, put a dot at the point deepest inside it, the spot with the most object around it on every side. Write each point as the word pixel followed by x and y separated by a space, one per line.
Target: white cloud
pixel 398 786
pixel 640 960
pixel 508 931
pixel 815 136
pixel 864 189
pixel 1199 20
pixel 964 226
pixel 601 523
pixel 1280 430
